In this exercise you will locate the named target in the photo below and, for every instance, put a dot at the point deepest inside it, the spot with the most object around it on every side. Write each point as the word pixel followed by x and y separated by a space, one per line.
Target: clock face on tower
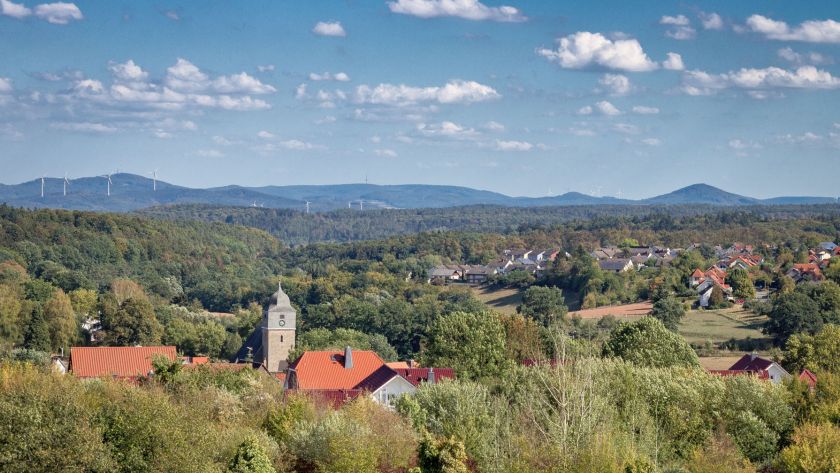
pixel 281 323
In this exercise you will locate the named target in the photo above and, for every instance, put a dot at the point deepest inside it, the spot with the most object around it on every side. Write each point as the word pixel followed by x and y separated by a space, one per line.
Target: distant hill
pixel 131 192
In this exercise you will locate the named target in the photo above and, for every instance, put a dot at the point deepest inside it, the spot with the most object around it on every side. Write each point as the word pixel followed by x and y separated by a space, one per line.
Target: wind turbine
pixel 307 206
pixel 154 179
pixel 361 204
pixel 619 194
pixel 42 185
pixel 66 182
pixel 108 178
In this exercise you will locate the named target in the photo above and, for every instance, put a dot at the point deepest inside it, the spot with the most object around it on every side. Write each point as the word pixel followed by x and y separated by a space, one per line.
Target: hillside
pixel 131 192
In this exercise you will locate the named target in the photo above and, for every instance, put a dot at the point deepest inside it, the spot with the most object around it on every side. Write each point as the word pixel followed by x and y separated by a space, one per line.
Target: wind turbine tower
pixel 108 178
pixel 154 179
pixel 42 186
pixel 307 206
pixel 66 182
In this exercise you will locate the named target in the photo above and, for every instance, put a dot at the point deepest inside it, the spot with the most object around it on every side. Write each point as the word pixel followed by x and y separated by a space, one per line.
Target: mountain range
pixel 130 192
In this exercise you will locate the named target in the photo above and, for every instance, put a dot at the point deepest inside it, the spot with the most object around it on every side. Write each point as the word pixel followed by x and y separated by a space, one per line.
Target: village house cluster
pixel 530 261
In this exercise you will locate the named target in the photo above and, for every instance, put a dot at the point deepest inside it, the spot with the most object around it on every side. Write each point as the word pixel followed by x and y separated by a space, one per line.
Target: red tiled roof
pixel 324 370
pixel 397 364
pixel 808 378
pixel 120 362
pixel 698 273
pixel 417 375
pixel 751 363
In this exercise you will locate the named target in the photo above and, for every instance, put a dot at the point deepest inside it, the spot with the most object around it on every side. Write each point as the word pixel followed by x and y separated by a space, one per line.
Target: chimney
pixel 753 356
pixel 431 378
pixel 348 357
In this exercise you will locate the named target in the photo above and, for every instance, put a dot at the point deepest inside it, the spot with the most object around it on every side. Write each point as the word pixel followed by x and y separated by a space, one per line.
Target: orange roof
pixel 398 364
pixel 324 370
pixel 809 378
pixel 120 362
pixel 698 273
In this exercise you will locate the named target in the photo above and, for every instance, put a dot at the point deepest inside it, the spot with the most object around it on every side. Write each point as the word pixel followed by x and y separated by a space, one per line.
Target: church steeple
pixel 278 331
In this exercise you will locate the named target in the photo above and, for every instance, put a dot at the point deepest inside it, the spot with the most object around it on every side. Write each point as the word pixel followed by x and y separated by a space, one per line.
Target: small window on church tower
pixel 281 338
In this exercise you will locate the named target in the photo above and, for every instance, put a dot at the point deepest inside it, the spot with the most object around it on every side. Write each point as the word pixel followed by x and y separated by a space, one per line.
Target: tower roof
pixel 280 313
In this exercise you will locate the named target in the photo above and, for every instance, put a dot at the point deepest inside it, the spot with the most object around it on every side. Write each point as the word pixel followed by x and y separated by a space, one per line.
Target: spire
pixel 348 357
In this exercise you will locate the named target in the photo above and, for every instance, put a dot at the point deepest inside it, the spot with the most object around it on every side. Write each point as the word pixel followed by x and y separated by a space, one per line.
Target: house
pixel 828 246
pixel 500 266
pixel 705 289
pixel 516 254
pixel 809 378
pixel 605 252
pixel 803 272
pixel 479 274
pixel 341 376
pixel 616 265
pixel 117 362
pixel 444 274
pixel 547 255
pixel 697 277
pixel 762 367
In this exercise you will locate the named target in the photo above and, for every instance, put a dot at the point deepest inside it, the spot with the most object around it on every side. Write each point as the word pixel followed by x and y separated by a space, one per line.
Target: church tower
pixel 278 332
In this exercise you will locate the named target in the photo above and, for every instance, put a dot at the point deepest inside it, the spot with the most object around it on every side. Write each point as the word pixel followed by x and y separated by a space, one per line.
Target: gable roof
pixel 120 362
pixel 752 362
pixel 324 370
pixel 417 375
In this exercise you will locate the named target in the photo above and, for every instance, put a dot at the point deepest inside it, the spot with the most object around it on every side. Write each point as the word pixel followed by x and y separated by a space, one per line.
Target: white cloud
pixel 325 120
pixel 679 20
pixel 185 76
pixel 329 28
pixel 674 62
pixel 164 135
pixel 172 15
pixel 494 126
pixel 14 10
pixel 805 138
pixel 400 95
pixel 385 153
pixel 652 141
pixel 467 9
pixel 58 13
pixel 128 71
pixel 812 31
pixel 805 77
pixel 5 85
pixel 606 108
pixel 814 58
pixel 266 135
pixel 681 33
pixel 85 127
pixel 617 84
pixel 265 68
pixel 513 145
pixel 626 128
pixel 711 21
pixel 298 145
pixel 740 145
pixel 581 131
pixel 446 129
pixel 210 153
pixel 339 76
pixel 221 140
pixel 9 132
pixel 642 110
pixel 585 110
pixel 584 49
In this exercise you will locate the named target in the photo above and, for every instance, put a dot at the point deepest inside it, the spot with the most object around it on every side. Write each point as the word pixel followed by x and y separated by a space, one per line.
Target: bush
pixel 647 342
pixel 814 448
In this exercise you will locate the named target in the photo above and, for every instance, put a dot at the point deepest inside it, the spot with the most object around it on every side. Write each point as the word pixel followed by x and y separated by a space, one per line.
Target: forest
pixel 537 390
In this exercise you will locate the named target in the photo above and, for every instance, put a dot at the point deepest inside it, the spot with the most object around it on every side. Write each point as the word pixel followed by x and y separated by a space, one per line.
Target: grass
pixel 699 326
pixel 502 300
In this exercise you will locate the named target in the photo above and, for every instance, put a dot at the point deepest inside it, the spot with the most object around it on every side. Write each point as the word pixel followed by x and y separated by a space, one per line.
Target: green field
pixel 717 326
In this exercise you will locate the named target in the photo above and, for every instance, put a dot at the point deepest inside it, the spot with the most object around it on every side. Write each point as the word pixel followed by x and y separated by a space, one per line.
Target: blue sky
pixel 521 97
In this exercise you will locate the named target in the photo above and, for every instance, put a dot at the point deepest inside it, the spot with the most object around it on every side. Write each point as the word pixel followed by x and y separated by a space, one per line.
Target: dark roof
pixel 751 362
pixel 417 375
pixel 613 264
pixel 377 379
pixel 254 342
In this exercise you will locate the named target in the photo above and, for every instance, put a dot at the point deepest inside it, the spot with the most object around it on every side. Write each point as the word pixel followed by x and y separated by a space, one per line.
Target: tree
pixel 827 297
pixel 132 323
pixel 84 302
pixel 10 314
pixel 64 329
pixel 125 289
pixel 250 457
pixel 716 298
pixel 813 448
pixel 471 343
pixel 817 352
pixel 742 285
pixel 792 313
pixel 647 342
pixel 445 455
pixel 669 311
pixel 37 336
pixel 543 304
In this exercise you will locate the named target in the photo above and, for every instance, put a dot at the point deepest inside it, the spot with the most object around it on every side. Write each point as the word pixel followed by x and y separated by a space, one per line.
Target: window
pixel 281 338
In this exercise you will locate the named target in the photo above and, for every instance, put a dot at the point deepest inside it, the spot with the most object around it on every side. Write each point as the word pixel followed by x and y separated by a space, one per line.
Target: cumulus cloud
pixel 467 9
pixel 339 76
pixel 679 20
pixel 446 129
pixel 494 126
pixel 711 21
pixel 5 85
pixel 740 145
pixel 385 153
pixel 805 77
pixel 456 91
pixel 680 27
pixel 58 13
pixel 128 71
pixel 265 68
pixel 513 145
pixel 805 138
pixel 616 84
pixel 266 135
pixel 210 153
pixel 606 108
pixel 329 28
pixel 674 62
pixel 185 76
pixel 85 127
pixel 586 50
pixel 642 110
pixel 814 58
pixel 14 10
pixel 585 110
pixel 812 31
pixel 651 141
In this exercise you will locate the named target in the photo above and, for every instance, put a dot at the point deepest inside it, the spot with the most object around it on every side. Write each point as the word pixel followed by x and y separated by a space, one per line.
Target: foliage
pixel 814 448
pixel 647 342
pixel 669 311
pixel 471 343
pixel 325 339
pixel 446 455
pixel 791 314
pixel 543 304
pixel 250 457
pixel 741 283
pixel 818 352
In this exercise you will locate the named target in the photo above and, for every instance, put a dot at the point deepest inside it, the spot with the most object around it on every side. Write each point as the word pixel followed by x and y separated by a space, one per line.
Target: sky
pixel 532 98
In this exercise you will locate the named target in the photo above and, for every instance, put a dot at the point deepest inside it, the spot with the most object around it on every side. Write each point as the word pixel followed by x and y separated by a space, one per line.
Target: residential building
pixel 762 366
pixel 117 362
pixel 616 265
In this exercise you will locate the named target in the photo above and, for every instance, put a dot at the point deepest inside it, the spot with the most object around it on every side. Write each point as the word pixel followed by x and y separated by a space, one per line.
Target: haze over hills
pixel 131 192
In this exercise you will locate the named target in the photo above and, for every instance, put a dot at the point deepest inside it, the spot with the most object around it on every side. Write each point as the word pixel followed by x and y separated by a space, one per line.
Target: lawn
pixel 699 326
pixel 502 300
